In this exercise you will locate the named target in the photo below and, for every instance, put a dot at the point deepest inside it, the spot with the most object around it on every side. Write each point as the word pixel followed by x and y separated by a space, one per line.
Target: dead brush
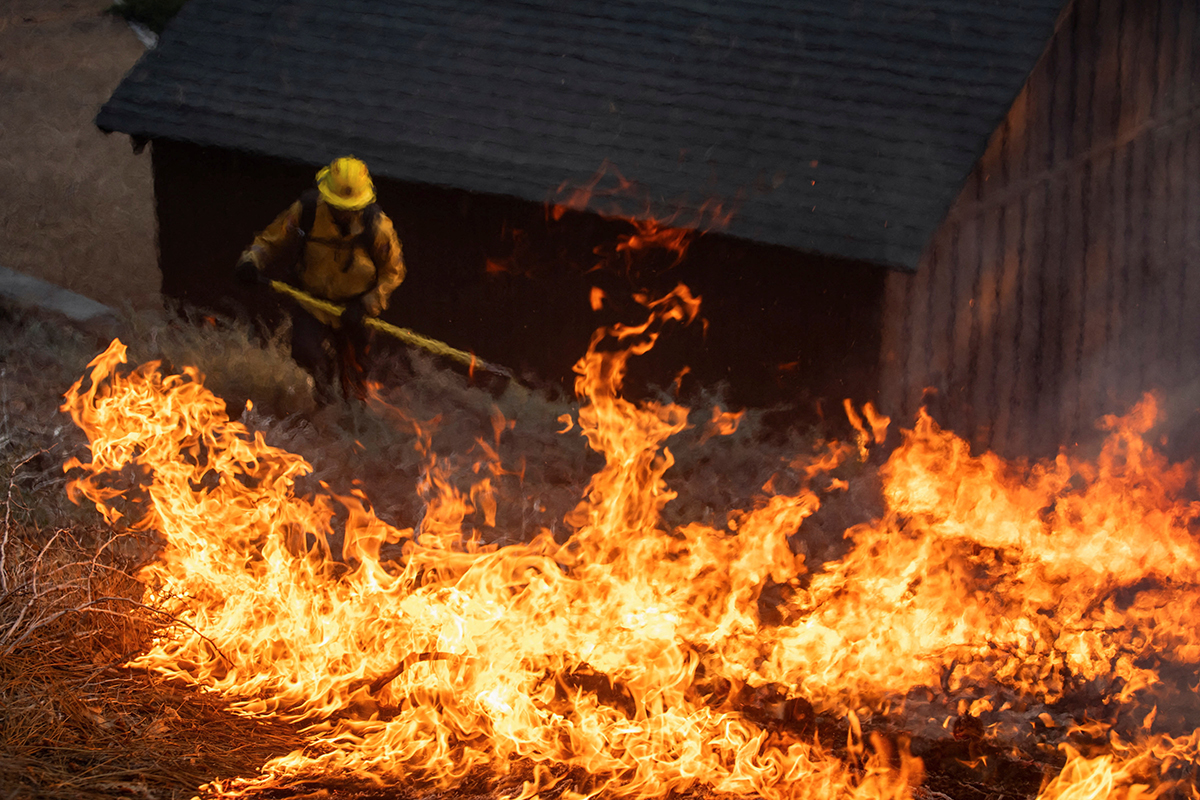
pixel 238 362
pixel 74 589
pixel 76 723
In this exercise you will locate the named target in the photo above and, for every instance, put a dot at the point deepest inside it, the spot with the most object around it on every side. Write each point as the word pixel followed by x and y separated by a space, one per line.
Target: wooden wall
pixel 1065 280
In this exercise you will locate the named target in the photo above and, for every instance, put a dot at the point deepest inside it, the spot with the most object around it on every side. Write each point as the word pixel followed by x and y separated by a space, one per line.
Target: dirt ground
pixel 76 205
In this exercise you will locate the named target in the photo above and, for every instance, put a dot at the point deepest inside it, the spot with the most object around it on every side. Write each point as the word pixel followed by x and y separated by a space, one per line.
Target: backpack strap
pixel 366 239
pixel 370 214
pixel 308 212
pixel 308 216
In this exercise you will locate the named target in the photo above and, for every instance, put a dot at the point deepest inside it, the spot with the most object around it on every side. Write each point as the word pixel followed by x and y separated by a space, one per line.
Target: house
pixel 519 146
pixel 1065 280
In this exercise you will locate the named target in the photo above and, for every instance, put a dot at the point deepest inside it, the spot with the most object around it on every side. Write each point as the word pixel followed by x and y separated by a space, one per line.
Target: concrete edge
pixel 27 290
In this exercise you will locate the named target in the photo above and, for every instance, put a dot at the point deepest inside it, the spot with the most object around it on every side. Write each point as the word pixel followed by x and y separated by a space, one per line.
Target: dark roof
pixel 846 127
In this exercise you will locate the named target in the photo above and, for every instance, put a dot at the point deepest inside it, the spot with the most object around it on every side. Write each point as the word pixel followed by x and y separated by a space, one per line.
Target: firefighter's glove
pixel 352 316
pixel 247 272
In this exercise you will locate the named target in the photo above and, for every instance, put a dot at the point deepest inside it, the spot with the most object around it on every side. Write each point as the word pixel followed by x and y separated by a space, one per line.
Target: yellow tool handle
pixel 405 335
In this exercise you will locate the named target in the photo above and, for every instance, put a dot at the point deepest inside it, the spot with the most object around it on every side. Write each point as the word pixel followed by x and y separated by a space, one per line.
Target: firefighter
pixel 336 244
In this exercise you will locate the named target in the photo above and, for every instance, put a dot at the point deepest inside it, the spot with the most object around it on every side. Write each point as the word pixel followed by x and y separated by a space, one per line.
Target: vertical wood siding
pixel 1065 281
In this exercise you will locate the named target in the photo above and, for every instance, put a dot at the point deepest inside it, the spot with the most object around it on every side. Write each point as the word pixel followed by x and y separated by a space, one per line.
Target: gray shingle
pixel 893 99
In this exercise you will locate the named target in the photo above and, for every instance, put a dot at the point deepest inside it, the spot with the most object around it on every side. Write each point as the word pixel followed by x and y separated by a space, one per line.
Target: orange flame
pixel 635 653
pixel 627 201
pixel 596 298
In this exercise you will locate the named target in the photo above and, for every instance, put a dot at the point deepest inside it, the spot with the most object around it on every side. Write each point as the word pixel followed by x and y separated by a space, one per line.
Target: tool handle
pixel 405 335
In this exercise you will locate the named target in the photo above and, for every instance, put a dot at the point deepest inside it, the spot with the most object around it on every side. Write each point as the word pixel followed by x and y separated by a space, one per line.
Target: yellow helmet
pixel 346 184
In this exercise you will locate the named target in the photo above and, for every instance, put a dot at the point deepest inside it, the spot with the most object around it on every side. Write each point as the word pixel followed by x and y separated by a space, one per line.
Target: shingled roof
pixel 844 128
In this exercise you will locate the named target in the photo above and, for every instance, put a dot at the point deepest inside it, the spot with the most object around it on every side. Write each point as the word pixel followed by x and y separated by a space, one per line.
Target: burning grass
pixel 78 723
pixel 507 593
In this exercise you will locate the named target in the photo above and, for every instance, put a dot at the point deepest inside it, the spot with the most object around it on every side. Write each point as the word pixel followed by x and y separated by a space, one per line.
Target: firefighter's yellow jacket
pixel 333 265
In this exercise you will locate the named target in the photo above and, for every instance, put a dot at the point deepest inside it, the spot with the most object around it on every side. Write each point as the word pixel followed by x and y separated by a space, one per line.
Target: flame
pixel 633 660
pixel 614 199
pixel 596 298
pixel 611 195
pixel 1155 767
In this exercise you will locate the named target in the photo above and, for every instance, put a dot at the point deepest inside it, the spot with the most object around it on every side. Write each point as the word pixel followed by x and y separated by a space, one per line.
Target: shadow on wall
pixel 154 14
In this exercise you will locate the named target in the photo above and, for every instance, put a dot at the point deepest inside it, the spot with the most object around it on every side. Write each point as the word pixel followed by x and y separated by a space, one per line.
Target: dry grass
pixel 75 723
pixel 75 730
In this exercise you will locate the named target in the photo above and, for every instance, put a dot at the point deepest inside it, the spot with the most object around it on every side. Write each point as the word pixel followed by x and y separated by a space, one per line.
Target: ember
pixel 1027 615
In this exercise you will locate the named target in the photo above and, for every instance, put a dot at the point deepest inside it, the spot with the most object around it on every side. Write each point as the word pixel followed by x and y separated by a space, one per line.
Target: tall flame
pixel 633 660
